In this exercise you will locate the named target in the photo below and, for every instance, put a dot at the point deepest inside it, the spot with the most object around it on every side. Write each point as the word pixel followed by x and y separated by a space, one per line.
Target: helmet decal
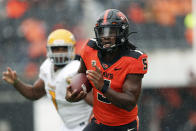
pixel 122 16
pixel 105 16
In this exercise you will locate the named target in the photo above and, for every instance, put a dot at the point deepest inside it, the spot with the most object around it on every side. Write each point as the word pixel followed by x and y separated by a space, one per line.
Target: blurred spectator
pixel 190 23
pixel 168 109
pixel 80 37
pixel 163 12
pixel 31 70
pixel 135 13
pixel 16 8
pixel 34 32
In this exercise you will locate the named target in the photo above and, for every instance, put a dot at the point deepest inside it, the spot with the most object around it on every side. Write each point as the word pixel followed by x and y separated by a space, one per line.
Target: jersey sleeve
pixel 73 67
pixel 43 68
pixel 139 66
pixel 41 73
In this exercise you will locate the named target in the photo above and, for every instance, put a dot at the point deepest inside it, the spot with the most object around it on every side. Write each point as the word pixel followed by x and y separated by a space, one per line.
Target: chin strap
pixel 110 50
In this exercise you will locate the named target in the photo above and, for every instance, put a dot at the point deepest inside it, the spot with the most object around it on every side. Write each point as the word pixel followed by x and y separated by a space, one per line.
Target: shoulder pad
pixel 134 53
pixel 45 64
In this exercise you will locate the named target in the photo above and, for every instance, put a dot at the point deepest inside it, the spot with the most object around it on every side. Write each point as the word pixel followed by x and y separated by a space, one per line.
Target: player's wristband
pixel 15 82
pixel 105 87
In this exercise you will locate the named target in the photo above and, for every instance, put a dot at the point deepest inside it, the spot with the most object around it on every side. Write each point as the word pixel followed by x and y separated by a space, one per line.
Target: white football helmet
pixel 61 38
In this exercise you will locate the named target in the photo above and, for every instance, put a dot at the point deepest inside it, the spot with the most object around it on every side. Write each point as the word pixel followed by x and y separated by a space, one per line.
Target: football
pixel 80 82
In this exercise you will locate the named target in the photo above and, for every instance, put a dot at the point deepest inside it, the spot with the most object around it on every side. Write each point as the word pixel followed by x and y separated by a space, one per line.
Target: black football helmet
pixel 112 23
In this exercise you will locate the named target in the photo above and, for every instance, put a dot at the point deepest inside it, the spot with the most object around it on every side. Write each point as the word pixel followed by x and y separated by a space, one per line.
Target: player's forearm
pixel 25 89
pixel 89 98
pixel 121 100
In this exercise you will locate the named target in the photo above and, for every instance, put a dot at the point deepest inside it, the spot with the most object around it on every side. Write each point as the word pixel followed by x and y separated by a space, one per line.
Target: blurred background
pixel 164 31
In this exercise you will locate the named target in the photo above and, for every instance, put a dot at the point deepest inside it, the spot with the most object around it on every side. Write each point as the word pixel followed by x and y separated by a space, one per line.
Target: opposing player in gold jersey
pixel 55 74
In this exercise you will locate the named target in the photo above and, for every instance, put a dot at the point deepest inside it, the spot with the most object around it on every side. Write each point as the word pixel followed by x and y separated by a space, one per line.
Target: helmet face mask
pixel 112 24
pixel 107 31
pixel 108 37
pixel 61 57
pixel 60 47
